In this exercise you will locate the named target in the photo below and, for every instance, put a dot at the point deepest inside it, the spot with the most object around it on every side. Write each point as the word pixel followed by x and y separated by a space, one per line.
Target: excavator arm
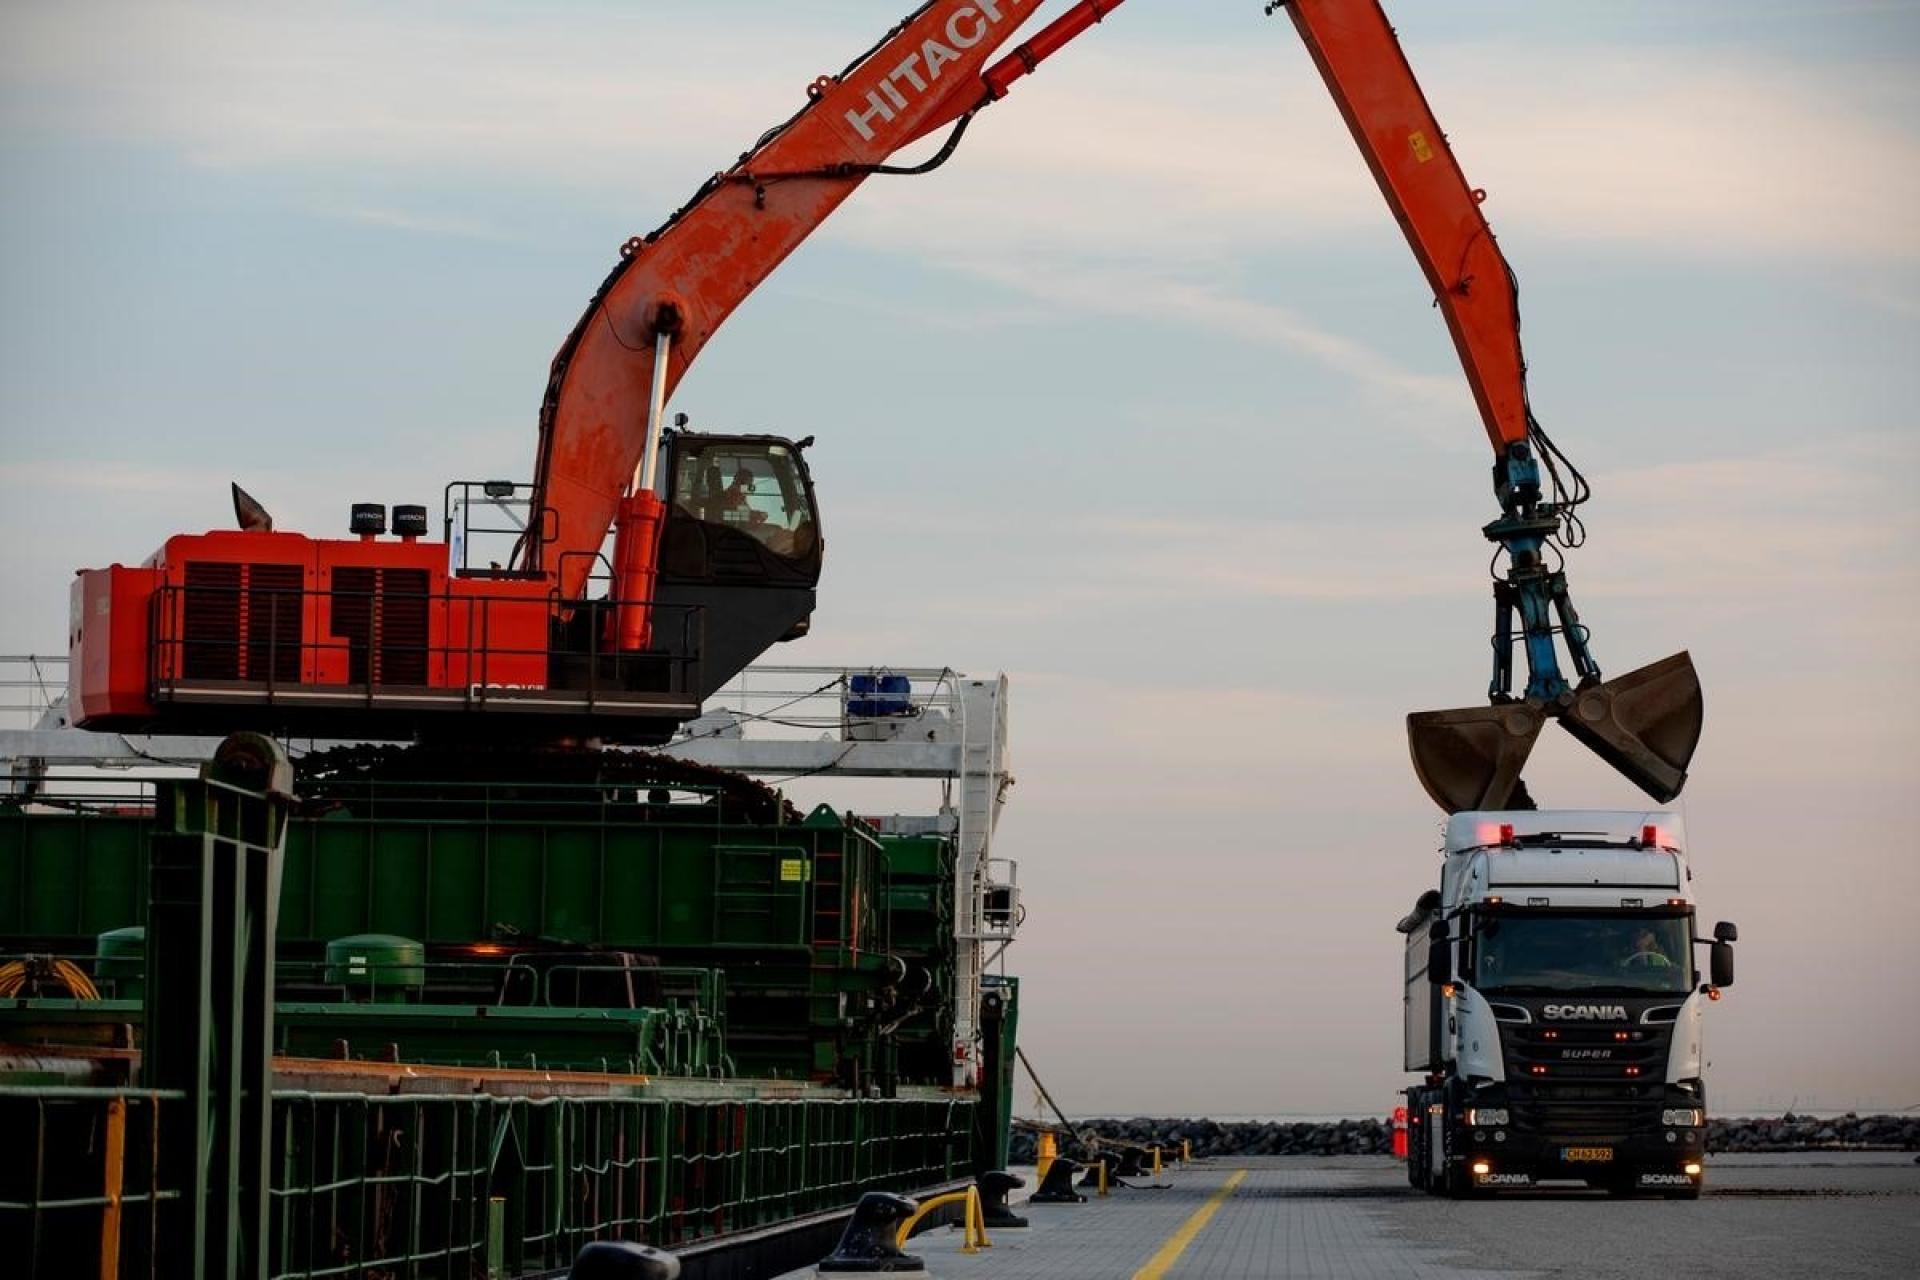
pixel 1645 723
pixel 672 290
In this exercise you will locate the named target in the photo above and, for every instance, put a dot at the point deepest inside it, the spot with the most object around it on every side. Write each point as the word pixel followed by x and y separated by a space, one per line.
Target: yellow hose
pixel 14 974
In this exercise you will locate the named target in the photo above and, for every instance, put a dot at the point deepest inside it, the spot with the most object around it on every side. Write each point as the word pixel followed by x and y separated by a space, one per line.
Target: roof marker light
pixel 1652 837
pixel 1489 833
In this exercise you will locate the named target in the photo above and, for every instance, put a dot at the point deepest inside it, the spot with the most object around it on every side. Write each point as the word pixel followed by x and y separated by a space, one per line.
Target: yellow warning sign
pixel 793 870
pixel 1422 149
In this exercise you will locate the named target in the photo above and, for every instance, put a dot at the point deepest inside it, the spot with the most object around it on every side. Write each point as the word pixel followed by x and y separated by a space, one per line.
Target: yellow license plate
pixel 1588 1155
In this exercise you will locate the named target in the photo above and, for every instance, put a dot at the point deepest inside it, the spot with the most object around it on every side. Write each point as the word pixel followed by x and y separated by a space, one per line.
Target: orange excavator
pixel 716 540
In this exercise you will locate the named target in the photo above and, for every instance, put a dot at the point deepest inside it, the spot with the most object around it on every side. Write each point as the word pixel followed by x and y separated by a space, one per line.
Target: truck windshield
pixel 1566 951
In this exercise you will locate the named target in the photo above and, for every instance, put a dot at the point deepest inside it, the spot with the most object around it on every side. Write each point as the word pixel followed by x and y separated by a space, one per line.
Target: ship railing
pixel 770 701
pixel 31 686
pixel 504 979
pixel 275 645
pixel 83 1177
pixel 431 1184
pixel 399 801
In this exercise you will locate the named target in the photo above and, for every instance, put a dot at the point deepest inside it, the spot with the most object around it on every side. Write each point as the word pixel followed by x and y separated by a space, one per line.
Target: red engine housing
pixel 319 635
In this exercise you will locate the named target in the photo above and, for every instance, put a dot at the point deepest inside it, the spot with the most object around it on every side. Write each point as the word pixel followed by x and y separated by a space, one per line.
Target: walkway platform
pixel 1247 1219
pixel 1839 1215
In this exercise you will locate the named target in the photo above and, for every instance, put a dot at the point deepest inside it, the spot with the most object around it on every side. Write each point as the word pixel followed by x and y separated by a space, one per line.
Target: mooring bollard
pixel 868 1245
pixel 994 1186
pixel 623 1260
pixel 1100 1172
pixel 1057 1186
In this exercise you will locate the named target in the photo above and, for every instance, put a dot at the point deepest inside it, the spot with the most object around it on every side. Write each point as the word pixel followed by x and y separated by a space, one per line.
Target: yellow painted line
pixel 1177 1242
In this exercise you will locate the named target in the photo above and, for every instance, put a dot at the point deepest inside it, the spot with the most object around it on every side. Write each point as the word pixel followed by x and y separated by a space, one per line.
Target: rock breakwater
pixel 1374 1135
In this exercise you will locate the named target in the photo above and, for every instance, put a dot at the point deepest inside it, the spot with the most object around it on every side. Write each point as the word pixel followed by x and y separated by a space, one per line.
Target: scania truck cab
pixel 1554 1006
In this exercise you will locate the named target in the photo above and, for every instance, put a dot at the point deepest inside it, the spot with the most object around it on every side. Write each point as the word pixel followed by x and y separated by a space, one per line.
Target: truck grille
pixel 1586 1081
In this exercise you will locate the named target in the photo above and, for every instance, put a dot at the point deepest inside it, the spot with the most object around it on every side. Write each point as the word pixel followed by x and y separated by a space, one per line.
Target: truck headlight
pixel 1683 1118
pixel 1486 1116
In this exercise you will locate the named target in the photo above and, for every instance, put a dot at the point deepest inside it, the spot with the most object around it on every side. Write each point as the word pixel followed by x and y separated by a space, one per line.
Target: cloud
pixel 1218 148
pixel 423 224
pixel 89 476
pixel 1430 407
pixel 1194 149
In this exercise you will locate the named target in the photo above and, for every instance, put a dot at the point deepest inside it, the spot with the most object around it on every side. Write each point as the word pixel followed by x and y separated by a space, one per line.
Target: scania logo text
pixel 910 78
pixel 1586 1012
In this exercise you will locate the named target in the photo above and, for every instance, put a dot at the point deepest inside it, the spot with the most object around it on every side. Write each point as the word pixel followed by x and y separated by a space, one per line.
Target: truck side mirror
pixel 1439 962
pixel 1720 962
pixel 1726 931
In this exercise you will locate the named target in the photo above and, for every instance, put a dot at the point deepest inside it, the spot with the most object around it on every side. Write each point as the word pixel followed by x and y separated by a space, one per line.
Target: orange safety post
pixel 116 1157
pixel 1048 1151
pixel 1399 1133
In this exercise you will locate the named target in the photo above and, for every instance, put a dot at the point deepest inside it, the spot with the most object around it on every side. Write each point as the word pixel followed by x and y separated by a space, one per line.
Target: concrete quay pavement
pixel 1354 1218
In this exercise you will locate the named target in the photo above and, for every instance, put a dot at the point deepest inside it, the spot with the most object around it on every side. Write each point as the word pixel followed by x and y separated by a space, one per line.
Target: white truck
pixel 1554 1007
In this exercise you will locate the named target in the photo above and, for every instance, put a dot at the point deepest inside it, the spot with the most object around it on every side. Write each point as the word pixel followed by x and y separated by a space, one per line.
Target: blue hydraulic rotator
pixel 1645 723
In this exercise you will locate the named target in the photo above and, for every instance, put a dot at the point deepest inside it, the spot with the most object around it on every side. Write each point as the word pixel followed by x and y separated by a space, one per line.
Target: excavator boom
pixel 1360 58
pixel 684 280
pixel 1645 723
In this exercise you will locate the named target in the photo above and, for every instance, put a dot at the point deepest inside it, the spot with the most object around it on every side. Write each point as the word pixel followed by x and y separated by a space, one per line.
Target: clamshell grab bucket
pixel 1645 724
pixel 1471 758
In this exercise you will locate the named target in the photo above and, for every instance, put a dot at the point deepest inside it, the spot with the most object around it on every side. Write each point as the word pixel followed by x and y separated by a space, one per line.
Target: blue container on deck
pixel 879 694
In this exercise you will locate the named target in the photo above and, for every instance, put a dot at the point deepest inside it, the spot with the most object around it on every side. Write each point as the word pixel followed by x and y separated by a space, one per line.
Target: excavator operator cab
pixel 740 509
pixel 741 548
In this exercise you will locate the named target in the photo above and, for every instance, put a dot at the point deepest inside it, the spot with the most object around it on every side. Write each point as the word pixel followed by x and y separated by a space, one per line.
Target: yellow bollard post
pixel 1043 1160
pixel 1156 1162
pixel 978 1212
pixel 1103 1177
pixel 968 1221
pixel 1186 1150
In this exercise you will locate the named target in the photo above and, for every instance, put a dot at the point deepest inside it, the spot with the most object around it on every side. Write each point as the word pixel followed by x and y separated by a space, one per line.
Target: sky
pixel 1141 399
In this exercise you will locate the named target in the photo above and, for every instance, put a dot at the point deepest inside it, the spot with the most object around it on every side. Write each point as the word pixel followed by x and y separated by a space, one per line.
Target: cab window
pixel 754 488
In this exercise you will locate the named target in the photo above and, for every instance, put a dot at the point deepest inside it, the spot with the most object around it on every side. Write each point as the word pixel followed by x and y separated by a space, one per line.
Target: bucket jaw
pixel 1470 758
pixel 1645 724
